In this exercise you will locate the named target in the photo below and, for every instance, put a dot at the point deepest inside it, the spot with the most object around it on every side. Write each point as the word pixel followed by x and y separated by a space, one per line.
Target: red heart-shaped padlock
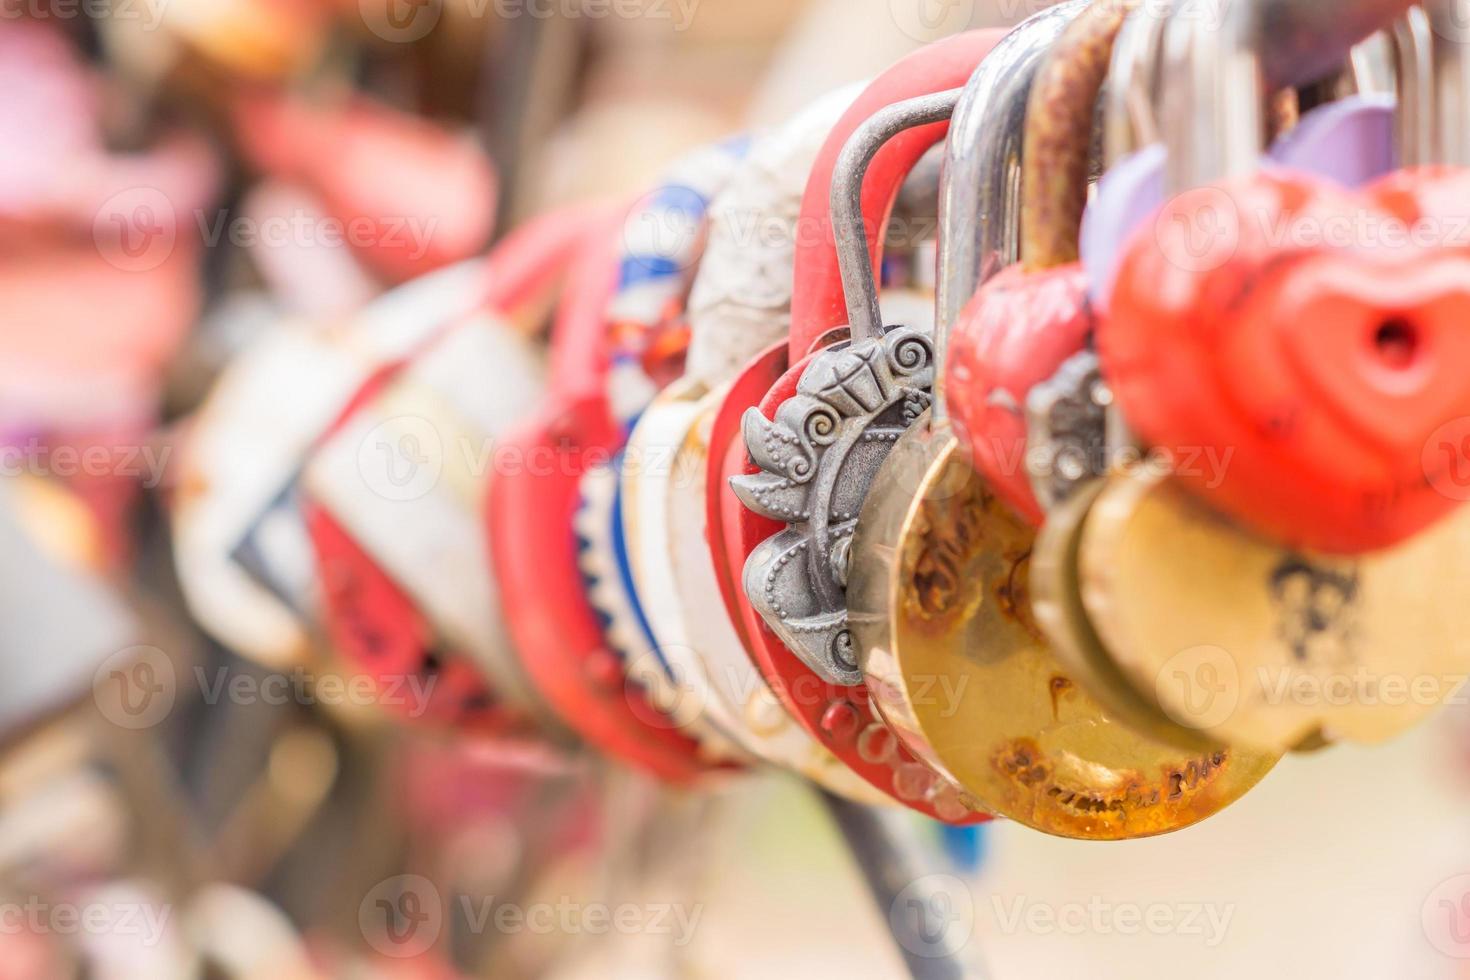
pixel 1015 334
pixel 1298 370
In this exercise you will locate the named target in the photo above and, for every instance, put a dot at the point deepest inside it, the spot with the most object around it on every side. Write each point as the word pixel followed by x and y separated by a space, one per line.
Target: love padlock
pixel 1300 334
pixel 1027 396
pixel 1194 627
pixel 532 504
pixel 624 553
pixel 392 490
pixel 1033 317
pixel 940 584
pixel 809 481
pixel 739 303
pixel 245 560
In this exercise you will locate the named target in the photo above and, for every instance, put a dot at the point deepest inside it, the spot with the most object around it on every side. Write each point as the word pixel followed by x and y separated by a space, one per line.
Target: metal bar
pixel 981 184
pixel 895 865
pixel 859 279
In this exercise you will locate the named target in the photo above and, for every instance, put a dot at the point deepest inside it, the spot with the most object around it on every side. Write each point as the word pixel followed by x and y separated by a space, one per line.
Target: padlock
pixel 739 303
pixel 838 714
pixel 832 417
pixel 664 237
pixel 244 557
pixel 1032 317
pixel 1242 640
pixel 1008 382
pixel 1322 367
pixel 1181 620
pixel 939 589
pixel 392 490
pixel 531 503
pixel 415 197
pixel 1056 602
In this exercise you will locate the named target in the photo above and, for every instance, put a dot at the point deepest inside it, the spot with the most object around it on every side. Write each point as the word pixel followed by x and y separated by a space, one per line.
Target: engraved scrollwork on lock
pixel 817 460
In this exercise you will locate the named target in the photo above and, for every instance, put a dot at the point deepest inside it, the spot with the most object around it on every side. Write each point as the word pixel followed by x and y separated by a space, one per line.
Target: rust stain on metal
pixel 1059 687
pixel 1059 124
pixel 1142 803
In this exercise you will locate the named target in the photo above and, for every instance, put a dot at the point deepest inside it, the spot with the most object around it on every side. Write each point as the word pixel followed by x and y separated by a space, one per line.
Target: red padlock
pixel 1031 317
pixel 839 717
pixel 372 620
pixel 530 505
pixel 1319 374
pixel 1308 347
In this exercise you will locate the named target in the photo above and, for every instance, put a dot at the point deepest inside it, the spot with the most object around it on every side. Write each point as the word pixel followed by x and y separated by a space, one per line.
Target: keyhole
pixel 1396 342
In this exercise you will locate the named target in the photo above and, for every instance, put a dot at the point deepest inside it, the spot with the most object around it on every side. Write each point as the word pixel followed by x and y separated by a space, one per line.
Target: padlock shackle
pixel 818 302
pixel 1130 117
pixel 1057 147
pixel 978 189
pixel 1412 46
pixel 1216 109
pixel 1449 32
pixel 859 277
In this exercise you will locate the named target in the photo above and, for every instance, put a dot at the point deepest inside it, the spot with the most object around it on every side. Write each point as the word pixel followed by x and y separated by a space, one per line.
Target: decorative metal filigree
pixel 818 458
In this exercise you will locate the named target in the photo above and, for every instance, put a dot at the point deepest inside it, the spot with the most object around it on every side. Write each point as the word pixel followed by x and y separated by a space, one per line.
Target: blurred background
pixel 197 197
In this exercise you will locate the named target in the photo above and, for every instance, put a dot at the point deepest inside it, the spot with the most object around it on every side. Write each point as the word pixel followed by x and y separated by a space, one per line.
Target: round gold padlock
pixel 1244 641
